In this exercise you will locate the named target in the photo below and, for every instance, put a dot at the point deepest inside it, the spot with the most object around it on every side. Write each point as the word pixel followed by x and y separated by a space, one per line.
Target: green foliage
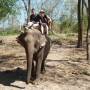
pixel 9 31
pixel 65 27
pixel 68 25
pixel 63 38
pixel 7 7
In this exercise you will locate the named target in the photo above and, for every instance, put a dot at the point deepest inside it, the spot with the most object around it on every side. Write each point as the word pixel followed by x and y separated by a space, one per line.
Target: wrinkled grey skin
pixel 34 53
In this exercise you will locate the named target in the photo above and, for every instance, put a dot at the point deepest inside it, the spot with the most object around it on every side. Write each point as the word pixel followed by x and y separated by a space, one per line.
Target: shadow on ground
pixel 10 76
pixel 57 71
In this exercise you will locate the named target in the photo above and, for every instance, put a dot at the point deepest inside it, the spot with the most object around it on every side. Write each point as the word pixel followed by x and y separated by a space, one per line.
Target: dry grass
pixel 66 68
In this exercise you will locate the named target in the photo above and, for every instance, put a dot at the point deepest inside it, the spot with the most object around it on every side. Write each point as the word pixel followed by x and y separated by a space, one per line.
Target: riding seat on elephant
pixel 37 47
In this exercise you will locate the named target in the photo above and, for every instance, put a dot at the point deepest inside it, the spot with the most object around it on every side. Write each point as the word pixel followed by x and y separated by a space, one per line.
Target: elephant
pixel 36 54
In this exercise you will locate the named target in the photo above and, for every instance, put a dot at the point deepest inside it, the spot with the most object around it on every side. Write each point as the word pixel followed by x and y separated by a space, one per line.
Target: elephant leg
pixel 43 67
pixel 39 63
pixel 43 70
pixel 33 71
pixel 46 51
pixel 38 66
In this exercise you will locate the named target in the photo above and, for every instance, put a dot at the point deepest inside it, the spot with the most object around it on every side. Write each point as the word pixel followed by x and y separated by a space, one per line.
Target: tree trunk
pixel 79 44
pixel 88 29
pixel 29 9
pixel 27 6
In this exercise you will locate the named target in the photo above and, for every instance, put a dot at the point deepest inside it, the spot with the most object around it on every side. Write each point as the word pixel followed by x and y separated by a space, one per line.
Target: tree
pixel 79 44
pixel 7 7
pixel 88 29
pixel 27 6
pixel 29 9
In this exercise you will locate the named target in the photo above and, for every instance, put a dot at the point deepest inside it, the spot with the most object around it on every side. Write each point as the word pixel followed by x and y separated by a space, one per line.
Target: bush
pixel 9 32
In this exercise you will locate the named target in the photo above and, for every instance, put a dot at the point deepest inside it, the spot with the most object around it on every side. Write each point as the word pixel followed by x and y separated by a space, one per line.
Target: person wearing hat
pixel 43 19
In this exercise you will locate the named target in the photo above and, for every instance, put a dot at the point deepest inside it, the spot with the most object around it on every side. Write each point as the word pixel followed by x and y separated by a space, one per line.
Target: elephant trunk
pixel 29 54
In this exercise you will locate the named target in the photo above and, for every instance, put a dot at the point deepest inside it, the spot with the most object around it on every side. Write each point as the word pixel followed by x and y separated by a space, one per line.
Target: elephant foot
pixel 36 82
pixel 27 82
pixel 31 80
pixel 43 71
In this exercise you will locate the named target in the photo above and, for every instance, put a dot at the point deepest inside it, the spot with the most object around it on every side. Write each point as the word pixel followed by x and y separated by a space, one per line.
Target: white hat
pixel 42 11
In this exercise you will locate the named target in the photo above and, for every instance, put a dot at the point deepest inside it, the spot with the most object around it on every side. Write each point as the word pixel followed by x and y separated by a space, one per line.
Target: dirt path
pixel 66 68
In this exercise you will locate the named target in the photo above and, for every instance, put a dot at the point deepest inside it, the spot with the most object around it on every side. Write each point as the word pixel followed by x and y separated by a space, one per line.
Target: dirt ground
pixel 66 68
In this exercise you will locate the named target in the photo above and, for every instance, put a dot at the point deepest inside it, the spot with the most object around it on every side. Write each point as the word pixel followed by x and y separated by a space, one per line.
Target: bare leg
pixel 42 29
pixel 29 25
pixel 47 29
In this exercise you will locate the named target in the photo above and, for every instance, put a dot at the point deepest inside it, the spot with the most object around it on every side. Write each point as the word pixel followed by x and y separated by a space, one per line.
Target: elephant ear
pixel 43 40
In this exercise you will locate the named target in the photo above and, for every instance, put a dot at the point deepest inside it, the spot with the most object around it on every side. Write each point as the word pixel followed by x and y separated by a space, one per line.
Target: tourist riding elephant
pixel 37 47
